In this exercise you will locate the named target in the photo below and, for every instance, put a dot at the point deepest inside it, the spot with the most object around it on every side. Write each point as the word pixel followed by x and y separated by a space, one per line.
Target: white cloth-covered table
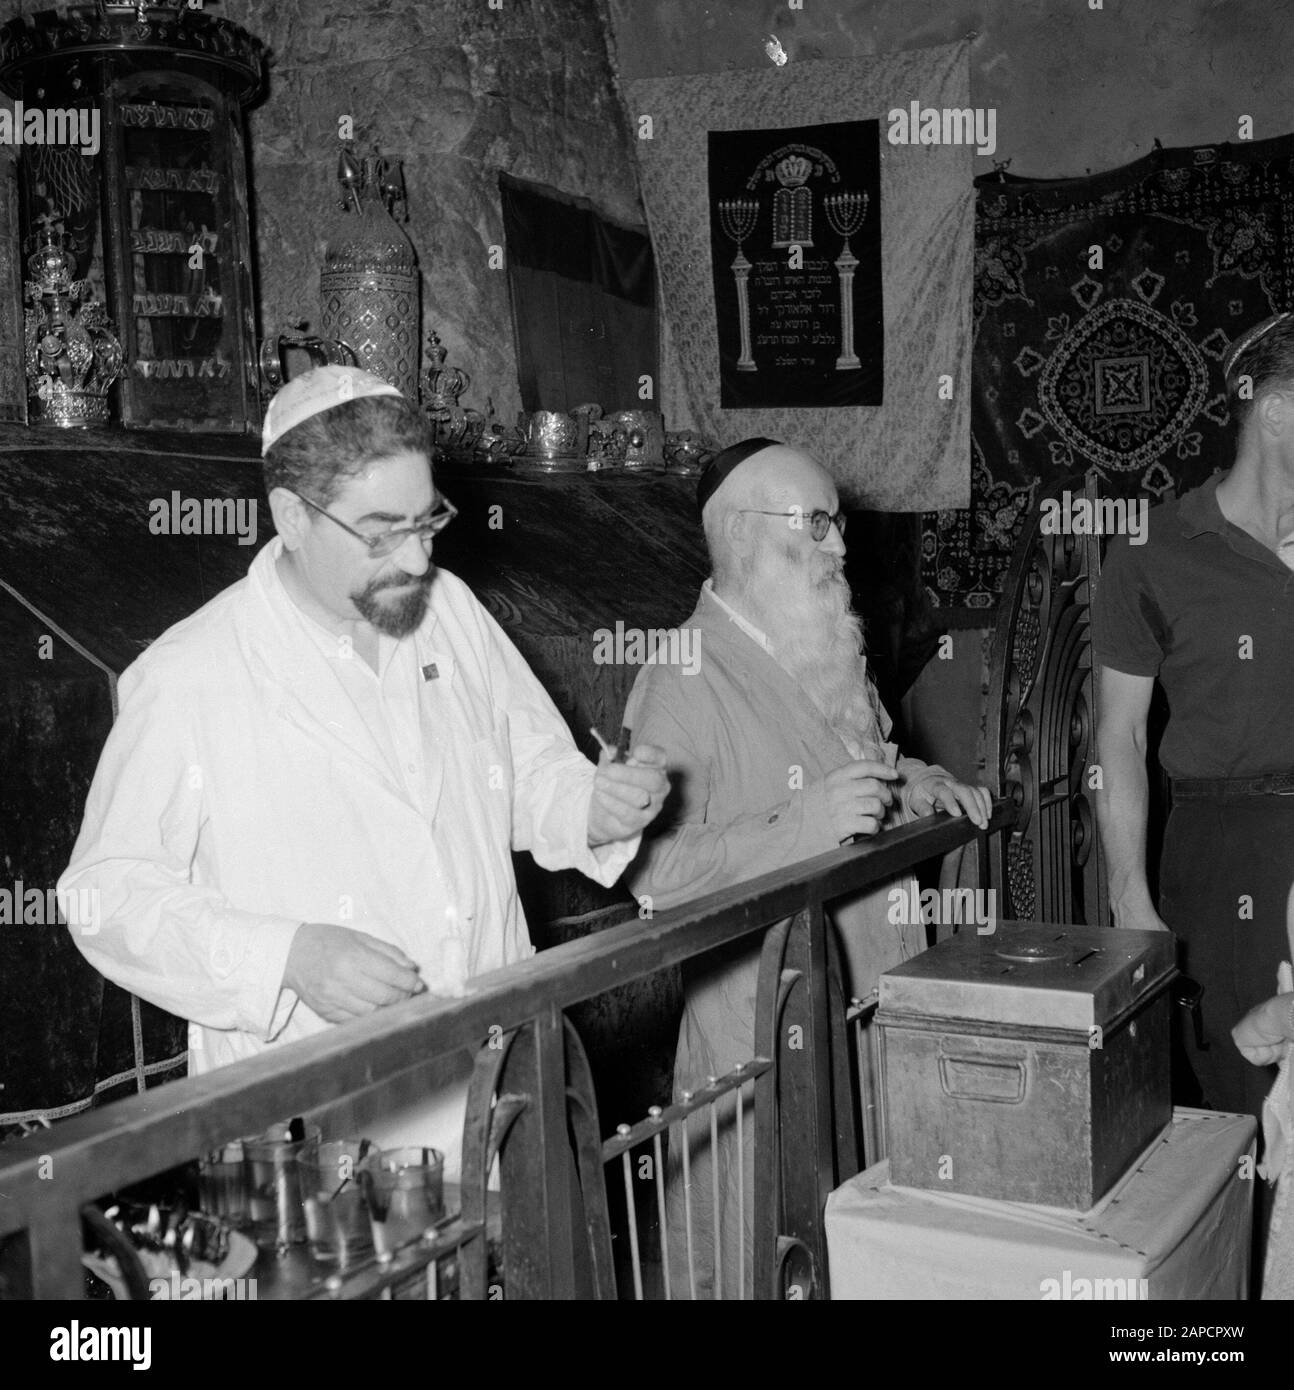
pixel 1180 1219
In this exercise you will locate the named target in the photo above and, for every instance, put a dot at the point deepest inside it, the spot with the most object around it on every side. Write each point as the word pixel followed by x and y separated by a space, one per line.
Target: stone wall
pixel 458 91
pixel 1075 88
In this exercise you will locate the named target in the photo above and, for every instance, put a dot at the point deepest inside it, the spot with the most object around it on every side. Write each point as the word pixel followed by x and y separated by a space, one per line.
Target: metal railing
pixel 530 1103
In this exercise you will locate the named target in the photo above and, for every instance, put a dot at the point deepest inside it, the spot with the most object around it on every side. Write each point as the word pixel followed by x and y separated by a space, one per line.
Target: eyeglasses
pixel 391 541
pixel 819 522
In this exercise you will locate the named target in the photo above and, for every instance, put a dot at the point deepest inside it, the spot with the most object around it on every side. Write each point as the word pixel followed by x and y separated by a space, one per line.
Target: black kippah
pixel 723 463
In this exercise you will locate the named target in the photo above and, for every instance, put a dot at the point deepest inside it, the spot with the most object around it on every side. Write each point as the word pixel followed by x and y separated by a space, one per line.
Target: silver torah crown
pixel 73 356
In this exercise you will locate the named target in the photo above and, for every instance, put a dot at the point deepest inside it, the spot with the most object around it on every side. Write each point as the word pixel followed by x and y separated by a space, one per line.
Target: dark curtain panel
pixel 583 301
pixel 69 1039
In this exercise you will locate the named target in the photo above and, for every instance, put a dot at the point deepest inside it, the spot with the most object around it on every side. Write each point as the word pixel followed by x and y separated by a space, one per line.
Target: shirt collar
pixel 1199 512
pixel 749 628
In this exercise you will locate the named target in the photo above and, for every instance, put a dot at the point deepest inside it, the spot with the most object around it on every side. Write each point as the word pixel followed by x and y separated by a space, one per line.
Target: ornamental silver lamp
pixel 72 354
pixel 369 288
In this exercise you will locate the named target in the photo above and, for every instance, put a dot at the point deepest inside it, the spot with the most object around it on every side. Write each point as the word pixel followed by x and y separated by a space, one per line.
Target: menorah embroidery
pixel 737 217
pixel 845 214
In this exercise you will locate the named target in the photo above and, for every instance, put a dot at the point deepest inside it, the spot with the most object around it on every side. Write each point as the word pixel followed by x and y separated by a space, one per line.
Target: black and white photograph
pixel 648 656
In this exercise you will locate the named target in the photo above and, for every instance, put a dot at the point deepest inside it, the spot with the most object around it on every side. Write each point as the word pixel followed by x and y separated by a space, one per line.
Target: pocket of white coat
pixel 492 760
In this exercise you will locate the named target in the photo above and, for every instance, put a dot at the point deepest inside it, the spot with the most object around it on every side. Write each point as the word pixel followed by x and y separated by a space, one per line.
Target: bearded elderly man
pixel 305 809
pixel 777 751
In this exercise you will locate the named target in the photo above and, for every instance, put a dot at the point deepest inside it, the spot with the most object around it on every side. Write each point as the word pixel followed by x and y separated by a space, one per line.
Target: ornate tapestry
pixel 908 453
pixel 1103 309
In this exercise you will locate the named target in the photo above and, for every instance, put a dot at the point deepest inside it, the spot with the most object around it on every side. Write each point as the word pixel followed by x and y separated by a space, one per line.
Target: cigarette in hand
pixel 612 752
pixel 619 751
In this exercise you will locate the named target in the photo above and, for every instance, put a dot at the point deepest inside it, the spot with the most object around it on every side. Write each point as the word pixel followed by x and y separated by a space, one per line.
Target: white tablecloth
pixel 1180 1220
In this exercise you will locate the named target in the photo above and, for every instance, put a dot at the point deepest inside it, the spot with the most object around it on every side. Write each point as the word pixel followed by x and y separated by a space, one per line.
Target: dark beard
pixel 398 614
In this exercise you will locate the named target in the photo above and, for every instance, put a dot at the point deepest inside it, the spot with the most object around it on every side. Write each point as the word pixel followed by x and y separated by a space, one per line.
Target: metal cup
pixel 406 1195
pixel 222 1184
pixel 551 434
pixel 337 1221
pixel 645 432
pixel 273 1163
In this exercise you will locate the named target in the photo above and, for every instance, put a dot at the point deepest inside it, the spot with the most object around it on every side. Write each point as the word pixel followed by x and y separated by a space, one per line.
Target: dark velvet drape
pixel 583 302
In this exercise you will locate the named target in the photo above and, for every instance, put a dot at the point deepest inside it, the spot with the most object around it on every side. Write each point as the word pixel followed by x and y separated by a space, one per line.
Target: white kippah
pixel 315 391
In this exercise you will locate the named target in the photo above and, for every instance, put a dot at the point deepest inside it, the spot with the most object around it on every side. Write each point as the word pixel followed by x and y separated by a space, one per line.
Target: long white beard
pixel 816 636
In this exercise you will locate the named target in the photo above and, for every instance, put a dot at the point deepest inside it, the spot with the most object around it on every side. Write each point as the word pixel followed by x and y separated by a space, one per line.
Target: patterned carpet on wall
pixel 1108 359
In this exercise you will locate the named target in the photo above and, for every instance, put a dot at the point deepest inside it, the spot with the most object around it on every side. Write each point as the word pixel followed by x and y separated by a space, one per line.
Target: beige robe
pixel 741 738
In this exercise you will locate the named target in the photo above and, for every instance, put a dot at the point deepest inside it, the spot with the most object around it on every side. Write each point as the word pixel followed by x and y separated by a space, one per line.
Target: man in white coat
pixel 305 809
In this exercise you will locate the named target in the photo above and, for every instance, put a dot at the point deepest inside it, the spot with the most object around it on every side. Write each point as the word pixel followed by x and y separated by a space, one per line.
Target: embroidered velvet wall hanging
pixel 795 243
pixel 1103 309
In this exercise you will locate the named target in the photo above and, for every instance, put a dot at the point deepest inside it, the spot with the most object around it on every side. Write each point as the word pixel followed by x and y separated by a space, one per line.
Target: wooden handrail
pixel 46 1177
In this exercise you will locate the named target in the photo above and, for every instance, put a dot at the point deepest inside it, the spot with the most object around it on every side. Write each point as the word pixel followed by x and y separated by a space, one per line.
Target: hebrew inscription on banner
pixel 795 240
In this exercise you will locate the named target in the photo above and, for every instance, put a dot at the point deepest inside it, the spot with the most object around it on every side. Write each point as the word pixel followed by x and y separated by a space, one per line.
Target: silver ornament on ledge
pixel 72 353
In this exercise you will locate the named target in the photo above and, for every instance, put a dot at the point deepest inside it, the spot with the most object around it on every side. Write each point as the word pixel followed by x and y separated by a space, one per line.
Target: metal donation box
pixel 1030 1064
pixel 133 160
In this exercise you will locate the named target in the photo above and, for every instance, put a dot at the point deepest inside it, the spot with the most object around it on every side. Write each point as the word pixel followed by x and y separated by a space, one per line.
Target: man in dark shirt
pixel 1206 606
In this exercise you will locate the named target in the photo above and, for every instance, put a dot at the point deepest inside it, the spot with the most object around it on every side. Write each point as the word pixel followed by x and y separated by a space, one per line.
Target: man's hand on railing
pixel 943 794
pixel 627 796
pixel 343 974
pixel 858 796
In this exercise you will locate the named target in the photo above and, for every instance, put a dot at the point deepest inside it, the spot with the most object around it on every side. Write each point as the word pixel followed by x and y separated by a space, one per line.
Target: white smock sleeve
pixel 553 779
pixel 153 930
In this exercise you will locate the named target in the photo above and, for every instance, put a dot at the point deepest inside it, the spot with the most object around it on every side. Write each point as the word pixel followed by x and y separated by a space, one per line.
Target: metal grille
pixel 715 1125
